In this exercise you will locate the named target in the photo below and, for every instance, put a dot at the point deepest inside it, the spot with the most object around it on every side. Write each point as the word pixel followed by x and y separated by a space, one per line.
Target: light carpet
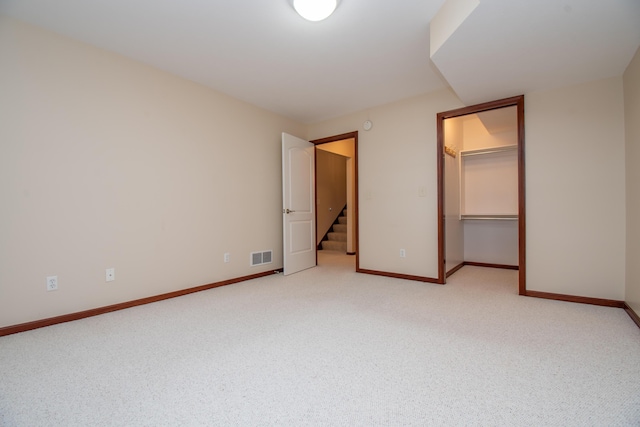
pixel 330 347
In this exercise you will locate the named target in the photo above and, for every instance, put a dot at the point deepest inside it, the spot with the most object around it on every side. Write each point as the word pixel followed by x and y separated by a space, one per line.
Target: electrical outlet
pixel 403 253
pixel 52 283
pixel 227 257
pixel 110 274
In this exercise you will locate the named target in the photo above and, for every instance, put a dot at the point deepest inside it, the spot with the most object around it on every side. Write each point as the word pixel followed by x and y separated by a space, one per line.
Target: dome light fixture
pixel 315 10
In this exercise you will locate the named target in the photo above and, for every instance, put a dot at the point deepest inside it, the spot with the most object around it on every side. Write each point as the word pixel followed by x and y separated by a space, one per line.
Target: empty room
pixel 259 213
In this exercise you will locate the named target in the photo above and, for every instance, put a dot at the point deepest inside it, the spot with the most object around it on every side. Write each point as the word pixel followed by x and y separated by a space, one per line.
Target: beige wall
pixel 632 128
pixel 106 162
pixel 397 163
pixel 575 190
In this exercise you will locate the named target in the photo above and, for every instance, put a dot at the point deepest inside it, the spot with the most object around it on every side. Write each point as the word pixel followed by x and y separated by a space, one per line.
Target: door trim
pixel 349 135
pixel 518 102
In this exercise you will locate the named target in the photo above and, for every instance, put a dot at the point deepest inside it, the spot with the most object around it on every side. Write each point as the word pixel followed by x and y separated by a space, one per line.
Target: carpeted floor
pixel 328 346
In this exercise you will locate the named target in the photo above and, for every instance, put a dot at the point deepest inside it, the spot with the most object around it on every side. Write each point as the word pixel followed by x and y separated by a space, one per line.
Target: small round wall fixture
pixel 315 10
pixel 367 125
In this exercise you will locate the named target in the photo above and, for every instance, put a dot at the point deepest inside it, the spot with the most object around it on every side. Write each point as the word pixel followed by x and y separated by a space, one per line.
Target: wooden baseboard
pixel 14 329
pixel 454 269
pixel 8 330
pixel 573 298
pixel 399 276
pixel 634 316
pixel 484 264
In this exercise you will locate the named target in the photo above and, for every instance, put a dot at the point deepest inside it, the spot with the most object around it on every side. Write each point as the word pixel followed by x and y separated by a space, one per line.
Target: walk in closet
pixel 481 189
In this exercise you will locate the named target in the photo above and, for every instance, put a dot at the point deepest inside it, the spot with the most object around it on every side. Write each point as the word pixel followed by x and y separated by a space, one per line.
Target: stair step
pixel 337 237
pixel 342 220
pixel 340 228
pixel 332 245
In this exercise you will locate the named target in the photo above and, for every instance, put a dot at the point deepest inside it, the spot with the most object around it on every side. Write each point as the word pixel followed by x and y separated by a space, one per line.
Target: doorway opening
pixel 346 147
pixel 494 176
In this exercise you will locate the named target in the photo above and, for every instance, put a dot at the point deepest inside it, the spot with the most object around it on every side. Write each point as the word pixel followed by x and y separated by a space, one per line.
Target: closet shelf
pixel 507 217
pixel 491 150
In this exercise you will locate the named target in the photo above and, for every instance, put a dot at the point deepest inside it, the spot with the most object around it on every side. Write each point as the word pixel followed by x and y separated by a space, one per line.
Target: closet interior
pixel 481 189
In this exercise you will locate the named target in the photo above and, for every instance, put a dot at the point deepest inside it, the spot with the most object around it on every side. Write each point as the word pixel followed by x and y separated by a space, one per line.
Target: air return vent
pixel 259 258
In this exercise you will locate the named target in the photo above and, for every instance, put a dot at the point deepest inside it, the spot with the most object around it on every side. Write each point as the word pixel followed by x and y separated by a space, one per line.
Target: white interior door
pixel 298 204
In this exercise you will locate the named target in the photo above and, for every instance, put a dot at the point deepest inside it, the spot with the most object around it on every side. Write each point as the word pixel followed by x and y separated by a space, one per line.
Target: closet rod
pixel 491 217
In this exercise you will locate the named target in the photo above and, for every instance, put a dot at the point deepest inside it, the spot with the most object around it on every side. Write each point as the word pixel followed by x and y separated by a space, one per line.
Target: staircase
pixel 336 238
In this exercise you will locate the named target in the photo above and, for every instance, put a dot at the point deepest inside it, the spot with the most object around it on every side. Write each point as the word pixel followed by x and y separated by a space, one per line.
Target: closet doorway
pixel 481 191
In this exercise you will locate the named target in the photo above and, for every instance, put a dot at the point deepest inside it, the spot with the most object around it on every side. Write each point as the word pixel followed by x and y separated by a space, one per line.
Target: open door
pixel 298 204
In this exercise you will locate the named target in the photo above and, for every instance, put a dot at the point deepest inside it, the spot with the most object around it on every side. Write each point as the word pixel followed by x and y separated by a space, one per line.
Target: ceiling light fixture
pixel 315 10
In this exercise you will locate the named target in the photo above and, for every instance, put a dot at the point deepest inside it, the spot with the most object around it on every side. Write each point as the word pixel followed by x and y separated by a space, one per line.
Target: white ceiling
pixel 511 47
pixel 368 53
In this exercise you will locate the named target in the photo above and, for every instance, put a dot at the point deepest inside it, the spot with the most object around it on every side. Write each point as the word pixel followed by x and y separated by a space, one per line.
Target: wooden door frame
pixel 350 135
pixel 518 102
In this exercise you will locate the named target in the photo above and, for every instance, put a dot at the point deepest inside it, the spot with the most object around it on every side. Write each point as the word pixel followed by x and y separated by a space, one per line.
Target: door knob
pixel 287 211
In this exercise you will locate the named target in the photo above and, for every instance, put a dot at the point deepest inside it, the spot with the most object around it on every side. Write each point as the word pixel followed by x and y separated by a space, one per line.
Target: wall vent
pixel 260 258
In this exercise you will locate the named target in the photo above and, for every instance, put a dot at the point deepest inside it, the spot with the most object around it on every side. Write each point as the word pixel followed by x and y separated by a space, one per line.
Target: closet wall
pixel 487 167
pixel 454 247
